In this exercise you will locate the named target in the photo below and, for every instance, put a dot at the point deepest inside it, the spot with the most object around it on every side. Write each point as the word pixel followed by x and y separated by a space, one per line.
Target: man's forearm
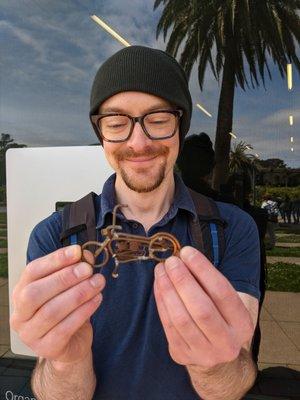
pixel 228 381
pixel 56 381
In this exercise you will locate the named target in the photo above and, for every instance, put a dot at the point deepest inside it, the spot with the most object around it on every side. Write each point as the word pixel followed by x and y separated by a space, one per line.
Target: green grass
pixel 284 252
pixel 287 239
pixel 283 277
pixel 289 230
pixel 3 243
pixel 3 266
pixel 3 218
pixel 3 232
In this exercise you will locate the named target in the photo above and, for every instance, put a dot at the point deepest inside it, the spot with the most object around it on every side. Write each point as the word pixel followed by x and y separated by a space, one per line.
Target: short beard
pixel 144 186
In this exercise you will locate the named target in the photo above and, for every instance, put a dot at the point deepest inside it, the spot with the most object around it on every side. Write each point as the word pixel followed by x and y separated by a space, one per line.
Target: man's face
pixel 140 162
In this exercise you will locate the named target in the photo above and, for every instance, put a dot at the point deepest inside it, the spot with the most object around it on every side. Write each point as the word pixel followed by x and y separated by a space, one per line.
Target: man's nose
pixel 138 139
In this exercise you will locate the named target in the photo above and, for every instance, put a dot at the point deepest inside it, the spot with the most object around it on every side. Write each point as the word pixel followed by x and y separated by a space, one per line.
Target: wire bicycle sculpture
pixel 124 247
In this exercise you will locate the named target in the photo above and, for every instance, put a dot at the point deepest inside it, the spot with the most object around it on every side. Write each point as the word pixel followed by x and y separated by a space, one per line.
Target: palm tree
pixel 6 142
pixel 239 161
pixel 227 35
pixel 243 167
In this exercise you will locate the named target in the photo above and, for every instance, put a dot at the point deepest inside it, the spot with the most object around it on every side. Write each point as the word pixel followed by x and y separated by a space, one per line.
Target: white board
pixel 38 178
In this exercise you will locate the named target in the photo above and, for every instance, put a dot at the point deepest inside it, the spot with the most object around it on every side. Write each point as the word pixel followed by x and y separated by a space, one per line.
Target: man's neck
pixel 146 208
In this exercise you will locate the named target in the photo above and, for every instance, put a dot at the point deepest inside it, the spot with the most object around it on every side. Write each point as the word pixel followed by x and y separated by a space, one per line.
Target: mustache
pixel 147 152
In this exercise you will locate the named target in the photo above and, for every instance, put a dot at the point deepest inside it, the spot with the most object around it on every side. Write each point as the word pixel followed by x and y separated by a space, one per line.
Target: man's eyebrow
pixel 155 107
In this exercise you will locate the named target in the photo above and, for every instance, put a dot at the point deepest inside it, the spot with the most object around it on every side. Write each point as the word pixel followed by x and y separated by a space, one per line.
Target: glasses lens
pixel 115 127
pixel 160 124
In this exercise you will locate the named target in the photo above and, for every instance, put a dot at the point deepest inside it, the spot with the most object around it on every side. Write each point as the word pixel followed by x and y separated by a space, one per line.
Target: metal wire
pixel 124 247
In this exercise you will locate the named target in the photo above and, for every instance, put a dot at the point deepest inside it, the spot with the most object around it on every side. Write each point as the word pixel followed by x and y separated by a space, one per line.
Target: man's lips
pixel 140 159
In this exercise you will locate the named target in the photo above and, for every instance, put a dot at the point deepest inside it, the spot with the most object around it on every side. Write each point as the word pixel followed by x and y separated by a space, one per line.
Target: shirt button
pixel 135 225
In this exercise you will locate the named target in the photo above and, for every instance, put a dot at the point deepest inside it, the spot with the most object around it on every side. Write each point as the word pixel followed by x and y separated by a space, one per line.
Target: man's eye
pixel 114 123
pixel 158 121
pixel 115 126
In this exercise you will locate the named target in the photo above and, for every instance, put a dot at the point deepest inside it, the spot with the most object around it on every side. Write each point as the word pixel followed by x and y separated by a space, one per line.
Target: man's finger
pixel 35 294
pixel 216 286
pixel 176 343
pixel 88 257
pixel 178 312
pixel 50 263
pixel 59 307
pixel 191 347
pixel 199 305
pixel 63 331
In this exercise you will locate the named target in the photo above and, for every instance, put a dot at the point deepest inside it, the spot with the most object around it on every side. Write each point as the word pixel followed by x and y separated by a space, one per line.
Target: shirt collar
pixel 182 200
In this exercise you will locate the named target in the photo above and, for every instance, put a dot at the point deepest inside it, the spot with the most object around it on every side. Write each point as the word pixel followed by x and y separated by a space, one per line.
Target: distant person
pixel 196 163
pixel 295 210
pixel 261 217
pixel 286 209
pixel 273 211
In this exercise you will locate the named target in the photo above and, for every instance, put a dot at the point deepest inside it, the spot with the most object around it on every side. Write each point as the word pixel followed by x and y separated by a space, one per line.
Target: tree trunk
pixel 224 124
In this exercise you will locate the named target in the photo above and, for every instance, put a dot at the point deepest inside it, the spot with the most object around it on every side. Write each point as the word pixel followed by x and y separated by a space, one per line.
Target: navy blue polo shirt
pixel 130 351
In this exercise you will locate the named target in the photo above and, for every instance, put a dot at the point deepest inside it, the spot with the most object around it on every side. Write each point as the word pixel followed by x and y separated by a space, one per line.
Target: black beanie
pixel 143 69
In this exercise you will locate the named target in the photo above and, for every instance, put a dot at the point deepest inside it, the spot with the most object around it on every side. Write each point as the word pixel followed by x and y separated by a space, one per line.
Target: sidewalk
pixel 15 372
pixel 279 358
pixel 288 260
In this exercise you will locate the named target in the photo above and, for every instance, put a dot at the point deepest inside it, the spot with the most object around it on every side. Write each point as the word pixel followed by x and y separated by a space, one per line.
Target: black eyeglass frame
pixel 96 118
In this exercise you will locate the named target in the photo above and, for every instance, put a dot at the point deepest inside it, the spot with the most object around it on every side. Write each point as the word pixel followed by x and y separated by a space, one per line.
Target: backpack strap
pixel 208 229
pixel 79 221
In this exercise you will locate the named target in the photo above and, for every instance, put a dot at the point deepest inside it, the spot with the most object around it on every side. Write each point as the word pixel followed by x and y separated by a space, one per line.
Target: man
pixel 285 209
pixel 175 330
pixel 196 162
pixel 272 208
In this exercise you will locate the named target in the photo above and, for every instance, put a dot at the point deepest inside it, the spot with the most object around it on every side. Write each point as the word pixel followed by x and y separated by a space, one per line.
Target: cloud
pixel 53 50
pixel 281 117
pixel 69 72
pixel 64 33
pixel 269 135
pixel 25 37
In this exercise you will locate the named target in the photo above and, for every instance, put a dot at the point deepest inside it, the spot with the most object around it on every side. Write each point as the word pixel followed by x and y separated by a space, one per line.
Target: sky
pixel 51 50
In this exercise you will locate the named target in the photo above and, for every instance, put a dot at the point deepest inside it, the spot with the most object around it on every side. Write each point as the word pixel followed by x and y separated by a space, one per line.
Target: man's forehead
pixel 125 100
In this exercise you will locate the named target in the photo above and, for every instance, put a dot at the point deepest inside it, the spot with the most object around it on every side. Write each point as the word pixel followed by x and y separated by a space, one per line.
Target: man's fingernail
pixel 188 252
pixel 172 262
pixel 82 270
pixel 96 280
pixel 71 251
pixel 160 270
pixel 97 298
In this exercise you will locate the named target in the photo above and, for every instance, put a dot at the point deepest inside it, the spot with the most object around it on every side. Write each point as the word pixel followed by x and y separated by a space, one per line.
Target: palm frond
pixel 250 32
pixel 239 160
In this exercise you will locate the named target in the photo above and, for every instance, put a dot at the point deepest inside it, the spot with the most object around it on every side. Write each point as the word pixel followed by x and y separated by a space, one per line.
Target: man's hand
pixel 52 304
pixel 205 321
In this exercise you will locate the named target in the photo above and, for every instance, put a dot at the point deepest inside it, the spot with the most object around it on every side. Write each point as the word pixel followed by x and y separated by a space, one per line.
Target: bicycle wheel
pixel 99 252
pixel 163 245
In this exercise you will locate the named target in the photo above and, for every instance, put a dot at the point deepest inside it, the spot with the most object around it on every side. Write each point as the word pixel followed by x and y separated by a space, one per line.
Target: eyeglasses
pixel 157 125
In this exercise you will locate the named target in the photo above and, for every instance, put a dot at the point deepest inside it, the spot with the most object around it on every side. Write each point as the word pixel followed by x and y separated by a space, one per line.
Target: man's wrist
pixel 229 380
pixel 54 380
pixel 65 366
